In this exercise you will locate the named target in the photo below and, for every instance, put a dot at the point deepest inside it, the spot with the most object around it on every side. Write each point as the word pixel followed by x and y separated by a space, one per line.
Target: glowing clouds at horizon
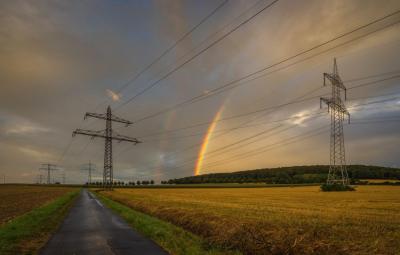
pixel 206 141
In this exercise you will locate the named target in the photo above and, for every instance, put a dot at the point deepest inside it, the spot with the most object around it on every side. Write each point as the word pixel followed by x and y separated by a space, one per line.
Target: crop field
pixel 294 220
pixel 380 180
pixel 16 200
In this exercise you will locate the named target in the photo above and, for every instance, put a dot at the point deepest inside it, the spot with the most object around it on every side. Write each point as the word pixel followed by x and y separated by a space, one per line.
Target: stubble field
pixel 280 220
pixel 16 200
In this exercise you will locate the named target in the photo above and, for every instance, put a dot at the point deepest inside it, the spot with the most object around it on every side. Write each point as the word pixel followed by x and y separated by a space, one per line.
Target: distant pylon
pixel 109 135
pixel 49 168
pixel 337 169
pixel 89 167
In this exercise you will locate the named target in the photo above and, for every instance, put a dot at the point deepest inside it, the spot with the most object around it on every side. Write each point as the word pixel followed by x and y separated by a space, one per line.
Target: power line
pixel 212 153
pixel 285 142
pixel 323 130
pixel 262 109
pixel 173 46
pixel 246 122
pixel 295 117
pixel 236 157
pixel 195 55
pixel 229 145
pixel 375 121
pixel 63 154
pixel 65 151
pixel 372 76
pixel 213 34
pixel 311 114
pixel 264 150
pixel 154 62
pixel 269 107
pixel 240 127
pixel 207 38
pixel 226 86
pixel 354 106
pixel 268 147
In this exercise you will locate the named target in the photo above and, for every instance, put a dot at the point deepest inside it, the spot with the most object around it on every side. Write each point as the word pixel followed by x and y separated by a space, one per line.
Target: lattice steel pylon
pixel 337 168
pixel 49 168
pixel 89 167
pixel 109 136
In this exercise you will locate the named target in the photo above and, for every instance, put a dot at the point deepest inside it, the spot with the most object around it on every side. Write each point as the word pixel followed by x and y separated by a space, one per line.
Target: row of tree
pixel 122 183
pixel 290 175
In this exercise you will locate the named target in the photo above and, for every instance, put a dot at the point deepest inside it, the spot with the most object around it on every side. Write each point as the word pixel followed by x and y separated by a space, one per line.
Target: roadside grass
pixel 26 234
pixel 173 239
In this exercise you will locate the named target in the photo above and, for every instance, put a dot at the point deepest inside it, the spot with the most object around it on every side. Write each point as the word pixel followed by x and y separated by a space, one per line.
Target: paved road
pixel 90 228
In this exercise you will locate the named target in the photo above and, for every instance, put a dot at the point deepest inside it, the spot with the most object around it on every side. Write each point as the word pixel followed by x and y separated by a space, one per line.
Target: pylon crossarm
pixel 95 115
pixel 104 117
pixel 335 80
pixel 89 133
pixel 51 165
pixel 326 100
pixel 120 120
pixel 52 168
pixel 334 106
pixel 122 138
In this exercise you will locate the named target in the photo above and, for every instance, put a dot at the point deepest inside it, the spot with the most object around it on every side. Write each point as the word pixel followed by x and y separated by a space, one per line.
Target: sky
pixel 61 59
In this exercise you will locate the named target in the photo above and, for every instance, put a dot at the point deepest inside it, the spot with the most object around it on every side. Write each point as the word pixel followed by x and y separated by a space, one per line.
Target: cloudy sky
pixel 254 83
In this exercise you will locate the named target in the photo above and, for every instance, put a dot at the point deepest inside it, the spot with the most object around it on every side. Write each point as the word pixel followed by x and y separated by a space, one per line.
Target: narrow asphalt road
pixel 91 228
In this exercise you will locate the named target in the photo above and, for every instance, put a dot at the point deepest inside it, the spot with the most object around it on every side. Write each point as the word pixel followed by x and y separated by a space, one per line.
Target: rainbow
pixel 206 141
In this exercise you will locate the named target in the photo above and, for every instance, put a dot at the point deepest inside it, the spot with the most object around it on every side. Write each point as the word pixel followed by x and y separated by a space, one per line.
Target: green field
pixel 279 220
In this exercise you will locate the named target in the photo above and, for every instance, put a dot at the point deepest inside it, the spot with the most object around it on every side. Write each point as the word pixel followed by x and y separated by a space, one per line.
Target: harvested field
pixel 281 220
pixel 16 200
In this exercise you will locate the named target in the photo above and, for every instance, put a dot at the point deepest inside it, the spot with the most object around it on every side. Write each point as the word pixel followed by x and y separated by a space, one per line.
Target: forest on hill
pixel 290 175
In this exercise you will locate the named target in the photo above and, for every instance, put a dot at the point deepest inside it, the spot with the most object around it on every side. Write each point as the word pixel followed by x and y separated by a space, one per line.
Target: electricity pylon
pixel 39 179
pixel 49 168
pixel 89 167
pixel 63 177
pixel 337 168
pixel 109 135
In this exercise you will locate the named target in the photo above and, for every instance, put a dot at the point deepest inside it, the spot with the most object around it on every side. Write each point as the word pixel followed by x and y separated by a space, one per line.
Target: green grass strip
pixel 27 233
pixel 173 239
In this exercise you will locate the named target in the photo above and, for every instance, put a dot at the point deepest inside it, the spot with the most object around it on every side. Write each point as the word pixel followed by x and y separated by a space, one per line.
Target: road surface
pixel 91 228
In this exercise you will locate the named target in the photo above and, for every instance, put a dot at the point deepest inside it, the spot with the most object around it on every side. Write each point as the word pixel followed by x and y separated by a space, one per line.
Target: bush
pixel 336 187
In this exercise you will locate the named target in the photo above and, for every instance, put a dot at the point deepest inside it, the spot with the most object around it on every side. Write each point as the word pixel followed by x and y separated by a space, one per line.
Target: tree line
pixel 290 175
pixel 122 183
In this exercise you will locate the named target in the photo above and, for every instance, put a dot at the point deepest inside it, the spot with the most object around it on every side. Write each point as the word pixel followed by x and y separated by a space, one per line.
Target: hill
pixel 289 175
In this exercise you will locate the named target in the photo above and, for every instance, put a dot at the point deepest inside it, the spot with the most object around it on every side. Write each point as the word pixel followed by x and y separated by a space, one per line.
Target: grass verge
pixel 173 239
pixel 28 233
